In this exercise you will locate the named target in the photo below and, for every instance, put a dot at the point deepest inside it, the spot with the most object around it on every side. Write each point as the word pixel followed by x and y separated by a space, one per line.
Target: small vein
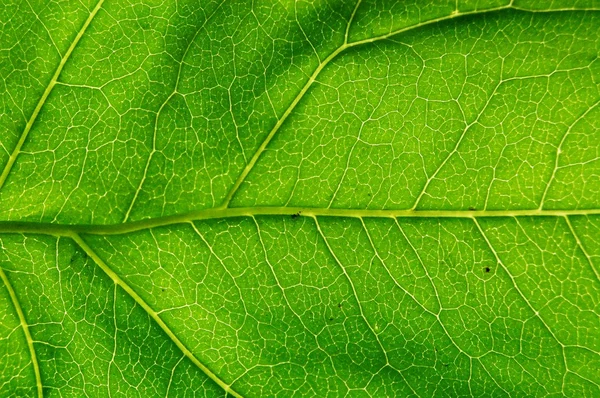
pixel 347 34
pixel 42 101
pixel 358 302
pixel 436 315
pixel 448 17
pixel 559 150
pixel 160 109
pixel 389 273
pixel 516 286
pixel 25 327
pixel 456 146
pixel 582 248
pixel 346 45
pixel 152 313
pixel 418 255
pixel 233 279
pixel 282 289
pixel 522 295
pixel 250 165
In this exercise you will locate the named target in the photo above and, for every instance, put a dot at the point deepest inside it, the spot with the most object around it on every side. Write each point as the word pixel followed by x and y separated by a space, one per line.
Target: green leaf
pixel 300 198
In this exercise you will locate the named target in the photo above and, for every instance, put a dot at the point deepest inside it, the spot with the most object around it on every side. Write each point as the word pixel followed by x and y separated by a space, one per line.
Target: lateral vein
pixel 153 314
pixel 42 101
pixel 25 327
pixel 346 45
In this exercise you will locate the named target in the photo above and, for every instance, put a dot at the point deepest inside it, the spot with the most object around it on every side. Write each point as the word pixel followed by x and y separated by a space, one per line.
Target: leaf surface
pixel 300 198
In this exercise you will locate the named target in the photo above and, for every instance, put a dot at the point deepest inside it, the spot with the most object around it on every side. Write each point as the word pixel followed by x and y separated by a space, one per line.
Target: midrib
pixel 292 212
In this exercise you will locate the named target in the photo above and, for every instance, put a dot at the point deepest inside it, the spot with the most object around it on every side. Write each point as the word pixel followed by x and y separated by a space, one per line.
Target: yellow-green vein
pixel 582 248
pixel 153 314
pixel 42 101
pixel 25 327
pixel 209 214
pixel 346 45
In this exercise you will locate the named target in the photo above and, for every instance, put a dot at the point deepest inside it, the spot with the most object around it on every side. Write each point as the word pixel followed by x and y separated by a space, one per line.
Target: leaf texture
pixel 331 198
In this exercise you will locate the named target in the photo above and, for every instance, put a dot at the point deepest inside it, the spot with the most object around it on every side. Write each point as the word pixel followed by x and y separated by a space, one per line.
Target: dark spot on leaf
pixel 331 319
pixel 78 256
pixel 487 269
pixel 296 215
pixel 472 208
pixel 340 305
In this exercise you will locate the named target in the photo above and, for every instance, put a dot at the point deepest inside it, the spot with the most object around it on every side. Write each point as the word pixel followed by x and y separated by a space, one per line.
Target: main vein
pixel 208 214
pixel 42 101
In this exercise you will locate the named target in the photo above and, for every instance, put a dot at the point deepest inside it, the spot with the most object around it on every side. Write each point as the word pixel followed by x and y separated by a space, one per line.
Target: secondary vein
pixel 25 327
pixel 42 101
pixel 277 126
pixel 153 314
pixel 346 45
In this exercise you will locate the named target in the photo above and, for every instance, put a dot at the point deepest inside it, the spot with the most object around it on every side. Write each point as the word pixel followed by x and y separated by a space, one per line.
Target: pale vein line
pixel 491 377
pixel 239 290
pixel 559 150
pixel 275 128
pixel 114 353
pixel 440 308
pixel 347 34
pixel 158 113
pixel 387 270
pixel 567 370
pixel 522 295
pixel 210 214
pixel 305 37
pixel 358 138
pixel 458 143
pixel 514 282
pixel 42 101
pixel 582 248
pixel 250 165
pixel 414 249
pixel 153 314
pixel 282 289
pixel 429 22
pixel 358 302
pixel 311 80
pixel 37 16
pixel 241 178
pixel 437 296
pixel 173 376
pixel 467 13
pixel 25 327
